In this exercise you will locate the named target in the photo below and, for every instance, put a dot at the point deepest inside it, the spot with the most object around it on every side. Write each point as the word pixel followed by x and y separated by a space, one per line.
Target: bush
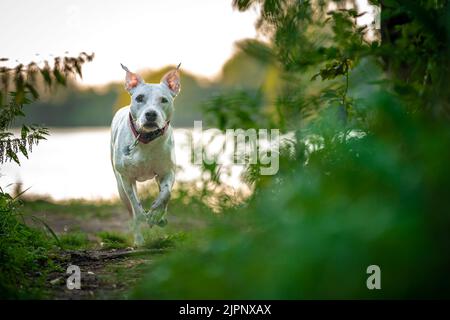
pixel 378 200
pixel 373 191
pixel 24 259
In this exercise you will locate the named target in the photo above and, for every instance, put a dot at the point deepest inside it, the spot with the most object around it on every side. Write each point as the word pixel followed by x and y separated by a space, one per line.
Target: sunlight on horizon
pixel 140 34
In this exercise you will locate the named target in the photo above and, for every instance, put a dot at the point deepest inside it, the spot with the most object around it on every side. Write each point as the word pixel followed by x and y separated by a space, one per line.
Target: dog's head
pixel 152 104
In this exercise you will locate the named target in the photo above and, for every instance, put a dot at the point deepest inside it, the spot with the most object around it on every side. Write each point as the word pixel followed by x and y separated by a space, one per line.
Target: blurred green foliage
pixel 374 190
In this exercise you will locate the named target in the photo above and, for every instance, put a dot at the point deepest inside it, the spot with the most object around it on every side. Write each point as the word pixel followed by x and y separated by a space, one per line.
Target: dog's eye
pixel 140 98
pixel 164 100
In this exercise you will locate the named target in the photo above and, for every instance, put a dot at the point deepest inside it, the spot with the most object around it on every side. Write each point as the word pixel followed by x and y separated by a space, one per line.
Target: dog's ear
pixel 172 80
pixel 132 80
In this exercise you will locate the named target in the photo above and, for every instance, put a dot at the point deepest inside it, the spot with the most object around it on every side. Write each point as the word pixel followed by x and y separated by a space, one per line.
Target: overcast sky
pixel 138 33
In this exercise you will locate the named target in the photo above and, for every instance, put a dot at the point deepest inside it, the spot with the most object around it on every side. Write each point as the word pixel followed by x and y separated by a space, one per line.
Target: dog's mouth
pixel 149 127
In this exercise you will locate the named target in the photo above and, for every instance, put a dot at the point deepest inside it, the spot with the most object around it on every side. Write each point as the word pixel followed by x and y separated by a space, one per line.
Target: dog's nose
pixel 150 116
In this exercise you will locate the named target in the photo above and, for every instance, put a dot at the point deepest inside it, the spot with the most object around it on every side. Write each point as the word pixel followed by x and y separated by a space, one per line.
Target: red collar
pixel 146 137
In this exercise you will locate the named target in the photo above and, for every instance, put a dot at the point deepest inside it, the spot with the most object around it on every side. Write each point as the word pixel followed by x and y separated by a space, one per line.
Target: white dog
pixel 142 145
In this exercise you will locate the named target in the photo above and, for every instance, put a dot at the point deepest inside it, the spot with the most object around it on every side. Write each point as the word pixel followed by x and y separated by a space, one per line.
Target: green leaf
pixel 12 155
pixel 78 69
pixel 59 76
pixel 23 150
pixel 4 135
pixel 45 72
pixel 32 90
pixel 24 132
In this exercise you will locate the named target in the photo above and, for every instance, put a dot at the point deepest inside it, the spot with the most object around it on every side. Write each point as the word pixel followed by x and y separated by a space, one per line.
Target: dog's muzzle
pixel 146 137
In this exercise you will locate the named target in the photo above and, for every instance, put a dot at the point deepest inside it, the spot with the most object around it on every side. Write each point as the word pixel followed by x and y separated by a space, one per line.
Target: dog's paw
pixel 156 218
pixel 162 222
pixel 149 219
pixel 153 220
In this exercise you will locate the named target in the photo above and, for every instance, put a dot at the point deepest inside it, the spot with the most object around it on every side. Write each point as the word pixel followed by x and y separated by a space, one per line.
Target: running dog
pixel 142 146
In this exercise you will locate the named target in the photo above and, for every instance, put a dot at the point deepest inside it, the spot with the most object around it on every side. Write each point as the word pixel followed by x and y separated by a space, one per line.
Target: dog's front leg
pixel 129 188
pixel 159 206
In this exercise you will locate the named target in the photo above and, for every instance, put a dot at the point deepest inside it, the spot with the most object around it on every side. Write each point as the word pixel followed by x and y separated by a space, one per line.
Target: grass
pixel 161 239
pixel 75 207
pixel 74 241
pixel 114 240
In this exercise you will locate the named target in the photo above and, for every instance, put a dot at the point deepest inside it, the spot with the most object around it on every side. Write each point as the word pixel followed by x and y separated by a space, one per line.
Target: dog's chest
pixel 144 163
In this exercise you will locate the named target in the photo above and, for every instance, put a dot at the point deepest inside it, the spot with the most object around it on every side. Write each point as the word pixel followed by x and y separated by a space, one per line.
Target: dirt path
pixel 105 274
pixel 95 236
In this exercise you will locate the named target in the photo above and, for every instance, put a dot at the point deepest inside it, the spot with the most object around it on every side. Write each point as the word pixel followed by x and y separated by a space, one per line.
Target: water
pixel 75 163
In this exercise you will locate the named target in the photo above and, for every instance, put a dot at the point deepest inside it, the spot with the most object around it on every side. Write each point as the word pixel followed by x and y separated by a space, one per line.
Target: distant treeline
pixel 75 106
